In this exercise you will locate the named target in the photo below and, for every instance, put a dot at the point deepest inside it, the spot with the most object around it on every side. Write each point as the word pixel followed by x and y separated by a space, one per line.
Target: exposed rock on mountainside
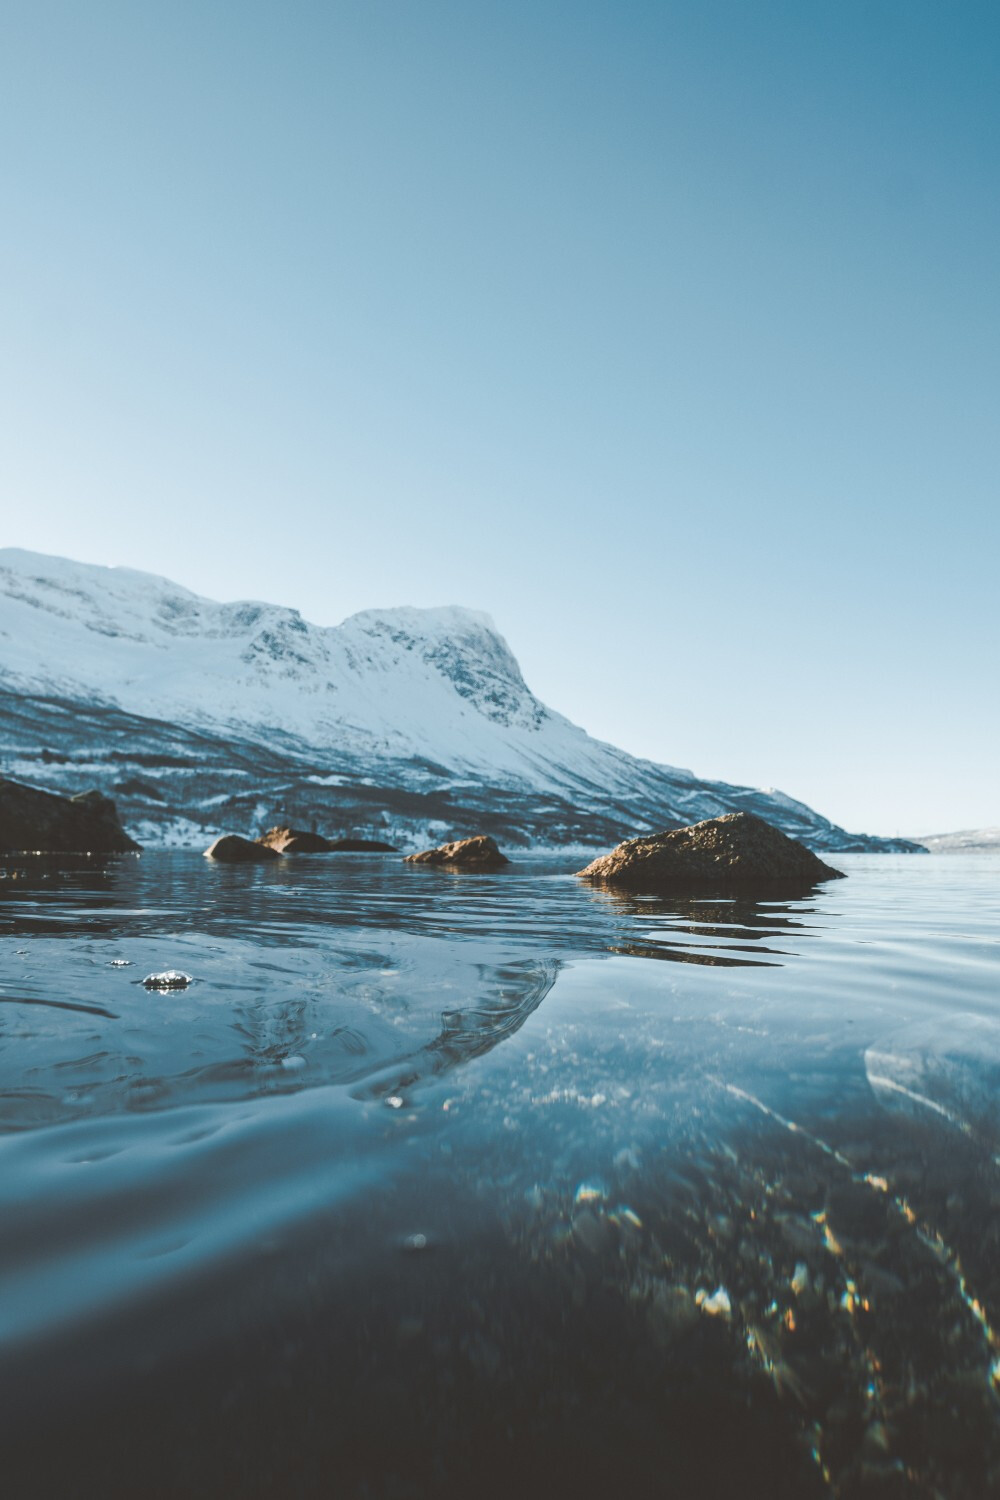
pixel 231 849
pixel 40 822
pixel 464 854
pixel 738 853
pixel 400 725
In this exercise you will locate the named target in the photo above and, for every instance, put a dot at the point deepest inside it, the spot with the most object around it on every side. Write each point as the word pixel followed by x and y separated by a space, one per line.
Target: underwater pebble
pixel 170 979
pixel 293 1063
pixel 415 1242
pixel 672 1311
pixel 592 1233
pixel 394 1101
pixel 800 1280
pixel 717 1305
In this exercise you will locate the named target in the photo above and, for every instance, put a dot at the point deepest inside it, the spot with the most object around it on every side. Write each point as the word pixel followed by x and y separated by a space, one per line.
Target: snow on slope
pixel 966 841
pixel 435 684
pixel 433 689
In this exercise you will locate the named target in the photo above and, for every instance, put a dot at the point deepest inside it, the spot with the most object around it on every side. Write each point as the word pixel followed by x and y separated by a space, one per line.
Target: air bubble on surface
pixel 170 979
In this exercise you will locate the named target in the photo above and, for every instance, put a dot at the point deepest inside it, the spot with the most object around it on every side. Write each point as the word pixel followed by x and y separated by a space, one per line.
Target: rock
pixel 37 822
pixel 294 841
pixel 465 854
pixel 736 853
pixel 297 841
pixel 234 850
pixel 362 846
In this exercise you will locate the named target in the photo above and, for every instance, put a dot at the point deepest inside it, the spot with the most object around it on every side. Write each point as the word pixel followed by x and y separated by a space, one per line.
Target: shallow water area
pixel 427 1183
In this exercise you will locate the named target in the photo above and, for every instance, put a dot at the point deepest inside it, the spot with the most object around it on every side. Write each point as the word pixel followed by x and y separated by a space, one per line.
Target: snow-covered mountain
pixel 198 717
pixel 966 841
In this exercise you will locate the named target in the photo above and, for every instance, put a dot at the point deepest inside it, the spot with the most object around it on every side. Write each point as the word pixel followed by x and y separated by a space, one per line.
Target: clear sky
pixel 667 333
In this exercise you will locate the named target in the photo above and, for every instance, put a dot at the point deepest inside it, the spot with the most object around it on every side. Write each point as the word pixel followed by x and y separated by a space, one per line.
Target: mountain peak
pixel 419 702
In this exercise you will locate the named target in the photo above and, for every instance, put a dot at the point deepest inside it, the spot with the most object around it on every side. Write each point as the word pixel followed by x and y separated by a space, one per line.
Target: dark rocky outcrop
pixel 37 822
pixel 233 849
pixel 298 841
pixel 362 846
pixel 737 853
pixel 465 854
pixel 294 841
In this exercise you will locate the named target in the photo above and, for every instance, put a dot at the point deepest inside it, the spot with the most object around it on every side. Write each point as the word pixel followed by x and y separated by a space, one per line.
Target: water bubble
pixel 170 979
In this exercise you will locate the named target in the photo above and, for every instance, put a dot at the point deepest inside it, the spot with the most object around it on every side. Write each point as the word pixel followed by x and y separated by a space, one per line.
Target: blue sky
pixel 666 333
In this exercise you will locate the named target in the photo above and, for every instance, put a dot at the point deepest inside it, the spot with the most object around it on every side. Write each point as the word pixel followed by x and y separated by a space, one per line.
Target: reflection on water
pixel 307 1227
pixel 710 931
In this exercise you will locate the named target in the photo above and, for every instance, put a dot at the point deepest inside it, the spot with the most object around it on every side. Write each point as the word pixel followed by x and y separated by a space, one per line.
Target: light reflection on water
pixel 555 1186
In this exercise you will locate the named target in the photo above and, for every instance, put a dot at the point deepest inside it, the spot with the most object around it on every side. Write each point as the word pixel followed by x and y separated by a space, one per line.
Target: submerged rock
pixel 738 853
pixel 298 841
pixel 479 853
pixel 37 822
pixel 232 848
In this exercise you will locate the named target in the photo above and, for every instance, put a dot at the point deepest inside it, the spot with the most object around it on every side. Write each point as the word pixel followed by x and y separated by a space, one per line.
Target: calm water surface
pixel 431 1184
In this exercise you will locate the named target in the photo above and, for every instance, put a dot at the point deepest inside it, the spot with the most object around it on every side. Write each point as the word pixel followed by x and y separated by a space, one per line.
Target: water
pixel 430 1184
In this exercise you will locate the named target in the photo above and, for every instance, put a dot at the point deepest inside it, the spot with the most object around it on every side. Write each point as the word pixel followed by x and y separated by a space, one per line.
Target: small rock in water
pixel 592 1232
pixel 717 1305
pixel 479 853
pixel 800 1280
pixel 293 1063
pixel 170 979
pixel 123 963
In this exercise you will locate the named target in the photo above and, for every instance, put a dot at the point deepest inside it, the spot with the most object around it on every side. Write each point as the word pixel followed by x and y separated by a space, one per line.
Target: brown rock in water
pixel 465 854
pixel 294 841
pixel 736 853
pixel 37 822
pixel 232 849
pixel 297 841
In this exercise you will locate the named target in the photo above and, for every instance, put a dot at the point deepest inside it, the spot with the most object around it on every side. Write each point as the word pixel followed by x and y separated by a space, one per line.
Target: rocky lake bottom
pixel 411 1183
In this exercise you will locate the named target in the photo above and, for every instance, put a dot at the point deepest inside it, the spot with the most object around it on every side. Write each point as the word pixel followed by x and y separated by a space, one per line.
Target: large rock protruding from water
pixel 233 849
pixel 480 853
pixel 736 853
pixel 37 822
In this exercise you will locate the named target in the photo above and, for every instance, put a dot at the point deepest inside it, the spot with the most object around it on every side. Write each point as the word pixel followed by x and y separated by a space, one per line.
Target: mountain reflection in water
pixel 306 1227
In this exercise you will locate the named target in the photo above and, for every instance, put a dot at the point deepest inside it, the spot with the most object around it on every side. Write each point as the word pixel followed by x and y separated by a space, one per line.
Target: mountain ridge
pixel 402 719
